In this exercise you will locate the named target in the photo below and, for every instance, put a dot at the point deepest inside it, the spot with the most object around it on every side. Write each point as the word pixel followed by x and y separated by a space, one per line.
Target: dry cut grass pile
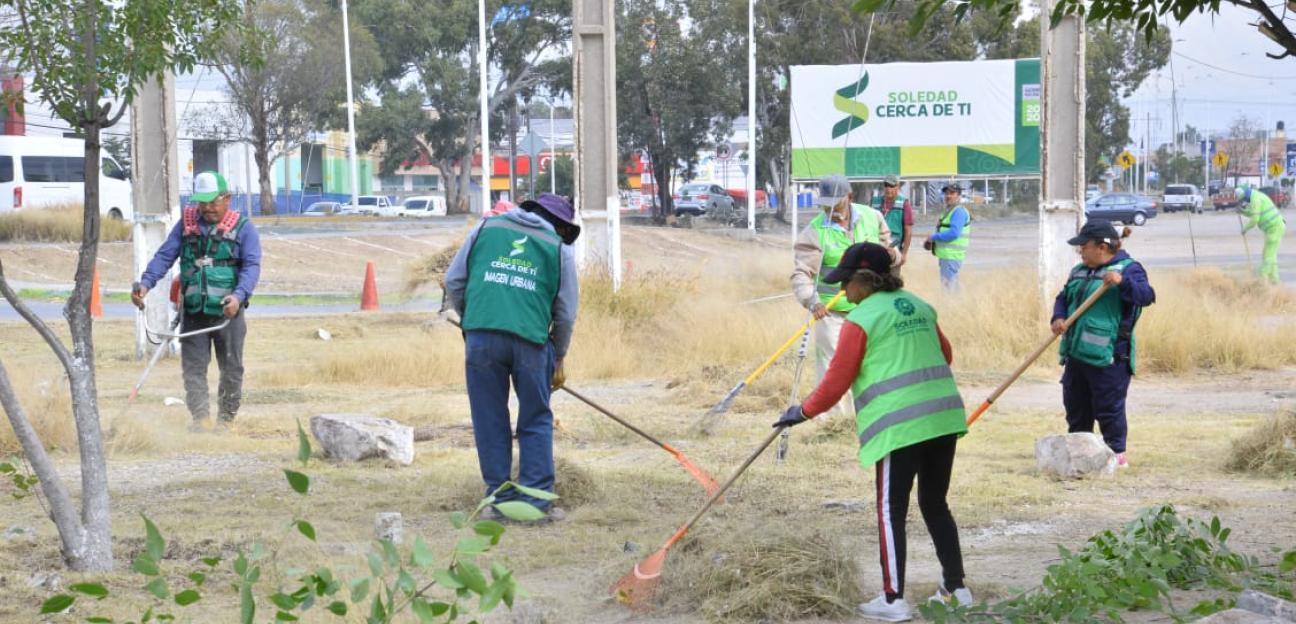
pixel 763 575
pixel 1268 449
pixel 60 224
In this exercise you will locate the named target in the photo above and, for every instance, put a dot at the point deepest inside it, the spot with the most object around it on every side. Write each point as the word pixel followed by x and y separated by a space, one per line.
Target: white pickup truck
pixel 374 205
pixel 1181 197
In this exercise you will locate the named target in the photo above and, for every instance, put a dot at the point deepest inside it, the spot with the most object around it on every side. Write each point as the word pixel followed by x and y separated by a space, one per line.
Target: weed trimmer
pixel 714 415
pixel 780 452
pixel 1084 306
pixel 1246 245
pixel 163 341
pixel 693 469
pixel 639 585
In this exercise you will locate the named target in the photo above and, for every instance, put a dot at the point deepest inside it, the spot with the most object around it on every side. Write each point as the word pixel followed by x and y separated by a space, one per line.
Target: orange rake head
pixel 637 588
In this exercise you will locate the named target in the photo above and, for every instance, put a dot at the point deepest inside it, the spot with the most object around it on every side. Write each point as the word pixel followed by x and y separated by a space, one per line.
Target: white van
pixel 38 172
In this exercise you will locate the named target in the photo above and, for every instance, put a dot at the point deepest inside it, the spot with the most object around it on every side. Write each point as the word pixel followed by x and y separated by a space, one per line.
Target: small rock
pixel 1264 604
pixel 172 401
pixel 17 532
pixel 1239 616
pixel 387 526
pixel 48 580
pixel 848 505
pixel 1074 455
pixel 323 334
pixel 353 437
pixel 630 547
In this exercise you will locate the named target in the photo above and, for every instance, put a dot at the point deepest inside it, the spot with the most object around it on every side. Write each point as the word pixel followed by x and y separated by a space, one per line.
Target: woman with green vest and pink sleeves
pixel 909 416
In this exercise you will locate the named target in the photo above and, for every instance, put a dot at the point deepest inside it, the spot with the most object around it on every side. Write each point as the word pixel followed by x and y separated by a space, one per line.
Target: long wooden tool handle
pixel 1084 306
pixel 619 420
pixel 791 341
pixel 724 488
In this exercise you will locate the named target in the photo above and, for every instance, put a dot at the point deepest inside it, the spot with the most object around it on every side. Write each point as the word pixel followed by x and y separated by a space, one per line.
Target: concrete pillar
pixel 155 192
pixel 1062 147
pixel 594 82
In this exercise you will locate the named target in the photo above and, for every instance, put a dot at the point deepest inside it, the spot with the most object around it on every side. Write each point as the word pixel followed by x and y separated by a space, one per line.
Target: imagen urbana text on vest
pixel 514 265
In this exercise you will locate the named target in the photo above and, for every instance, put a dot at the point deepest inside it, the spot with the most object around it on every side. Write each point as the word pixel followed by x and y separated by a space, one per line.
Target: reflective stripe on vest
pixel 957 248
pixel 833 242
pixel 1266 212
pixel 905 392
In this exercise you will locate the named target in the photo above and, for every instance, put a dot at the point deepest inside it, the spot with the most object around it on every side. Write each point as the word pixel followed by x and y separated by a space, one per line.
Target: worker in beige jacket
pixel 819 247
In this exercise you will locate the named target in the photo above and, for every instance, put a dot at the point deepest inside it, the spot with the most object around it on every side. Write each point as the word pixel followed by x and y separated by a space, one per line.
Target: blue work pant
pixel 1097 394
pixel 949 272
pixel 493 360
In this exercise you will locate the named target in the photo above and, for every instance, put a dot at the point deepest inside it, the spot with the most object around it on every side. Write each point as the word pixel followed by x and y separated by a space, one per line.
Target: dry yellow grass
pixel 59 224
pixel 1269 448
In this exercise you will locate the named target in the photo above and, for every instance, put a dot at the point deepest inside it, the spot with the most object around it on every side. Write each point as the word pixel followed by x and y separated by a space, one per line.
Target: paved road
pixel 54 311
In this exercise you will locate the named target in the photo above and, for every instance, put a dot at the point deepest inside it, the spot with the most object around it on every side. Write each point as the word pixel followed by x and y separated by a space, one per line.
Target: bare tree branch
pixel 61 351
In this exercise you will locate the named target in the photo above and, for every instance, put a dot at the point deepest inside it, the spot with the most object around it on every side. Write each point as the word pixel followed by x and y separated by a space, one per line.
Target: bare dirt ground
pixel 215 493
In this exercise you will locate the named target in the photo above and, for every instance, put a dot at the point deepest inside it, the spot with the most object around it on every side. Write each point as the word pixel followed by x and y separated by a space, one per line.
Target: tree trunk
pixel 465 179
pixel 779 182
pixel 261 147
pixel 455 197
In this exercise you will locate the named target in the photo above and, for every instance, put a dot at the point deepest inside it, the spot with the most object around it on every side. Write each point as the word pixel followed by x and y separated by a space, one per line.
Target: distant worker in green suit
pixel 1261 212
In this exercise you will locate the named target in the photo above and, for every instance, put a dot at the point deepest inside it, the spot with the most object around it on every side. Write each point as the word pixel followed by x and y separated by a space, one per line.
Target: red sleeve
pixel 908 213
pixel 946 348
pixel 841 372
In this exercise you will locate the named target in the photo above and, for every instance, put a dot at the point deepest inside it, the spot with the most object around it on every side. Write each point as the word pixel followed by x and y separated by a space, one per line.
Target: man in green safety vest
pixel 950 240
pixel 220 263
pixel 513 284
pixel 898 214
pixel 819 247
pixel 895 360
pixel 1261 212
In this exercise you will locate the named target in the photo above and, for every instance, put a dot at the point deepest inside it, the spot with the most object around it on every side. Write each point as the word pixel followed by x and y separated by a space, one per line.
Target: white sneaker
pixel 961 596
pixel 880 609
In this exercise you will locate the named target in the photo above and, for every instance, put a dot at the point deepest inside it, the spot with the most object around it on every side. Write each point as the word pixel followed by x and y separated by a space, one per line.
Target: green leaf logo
pixel 844 101
pixel 519 247
pixel 904 306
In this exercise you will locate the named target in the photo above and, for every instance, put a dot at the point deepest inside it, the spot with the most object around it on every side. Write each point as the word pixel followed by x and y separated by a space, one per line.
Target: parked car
pixel 1277 194
pixel 1092 192
pixel 1123 207
pixel 422 206
pixel 39 172
pixel 322 209
pixel 699 199
pixel 371 205
pixel 1181 197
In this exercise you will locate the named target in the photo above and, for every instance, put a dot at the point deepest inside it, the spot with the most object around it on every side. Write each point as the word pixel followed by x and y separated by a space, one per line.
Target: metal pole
pixel 351 143
pixel 751 117
pixel 487 162
pixel 553 153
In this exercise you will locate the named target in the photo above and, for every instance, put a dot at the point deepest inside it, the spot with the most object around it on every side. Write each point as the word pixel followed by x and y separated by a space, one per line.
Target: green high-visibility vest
pixel 905 392
pixel 957 248
pixel 513 277
pixel 1092 339
pixel 209 266
pixel 1264 211
pixel 834 242
pixel 894 217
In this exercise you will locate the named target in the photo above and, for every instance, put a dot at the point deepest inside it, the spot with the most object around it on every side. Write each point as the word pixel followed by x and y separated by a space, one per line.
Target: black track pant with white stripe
pixel 931 462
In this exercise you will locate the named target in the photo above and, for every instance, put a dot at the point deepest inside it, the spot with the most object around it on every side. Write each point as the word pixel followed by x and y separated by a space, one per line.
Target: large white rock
pixel 1074 455
pixel 353 437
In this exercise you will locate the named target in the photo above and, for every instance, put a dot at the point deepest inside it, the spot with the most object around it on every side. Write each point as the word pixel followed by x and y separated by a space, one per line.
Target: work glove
pixel 793 416
pixel 559 377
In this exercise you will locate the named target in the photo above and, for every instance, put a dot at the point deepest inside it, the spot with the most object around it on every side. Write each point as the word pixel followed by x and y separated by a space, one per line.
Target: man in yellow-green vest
pixel 949 242
pixel 819 247
pixel 1261 212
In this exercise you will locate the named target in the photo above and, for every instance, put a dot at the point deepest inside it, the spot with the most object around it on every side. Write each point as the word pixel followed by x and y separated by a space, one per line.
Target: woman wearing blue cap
pixel 1097 351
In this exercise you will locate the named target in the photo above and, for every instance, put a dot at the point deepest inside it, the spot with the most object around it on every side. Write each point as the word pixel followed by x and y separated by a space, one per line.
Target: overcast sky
pixel 1221 71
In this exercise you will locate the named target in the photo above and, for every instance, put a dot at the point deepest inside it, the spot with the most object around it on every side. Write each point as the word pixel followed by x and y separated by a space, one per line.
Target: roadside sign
pixel 1275 169
pixel 724 151
pixel 1207 148
pixel 1126 159
pixel 1220 160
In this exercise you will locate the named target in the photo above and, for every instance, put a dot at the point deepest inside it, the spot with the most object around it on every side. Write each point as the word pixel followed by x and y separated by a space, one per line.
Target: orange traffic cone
pixel 369 296
pixel 96 304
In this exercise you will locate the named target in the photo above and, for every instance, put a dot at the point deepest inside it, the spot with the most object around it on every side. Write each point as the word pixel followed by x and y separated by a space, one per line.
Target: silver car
pixel 699 199
pixel 1123 207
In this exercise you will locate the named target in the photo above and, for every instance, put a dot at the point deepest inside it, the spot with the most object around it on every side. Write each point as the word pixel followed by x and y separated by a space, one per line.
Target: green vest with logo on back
pixel 1092 338
pixel 905 391
pixel 834 242
pixel 513 275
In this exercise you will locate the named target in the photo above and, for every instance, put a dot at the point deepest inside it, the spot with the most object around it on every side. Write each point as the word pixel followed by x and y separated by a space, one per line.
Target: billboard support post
pixel 1062 145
